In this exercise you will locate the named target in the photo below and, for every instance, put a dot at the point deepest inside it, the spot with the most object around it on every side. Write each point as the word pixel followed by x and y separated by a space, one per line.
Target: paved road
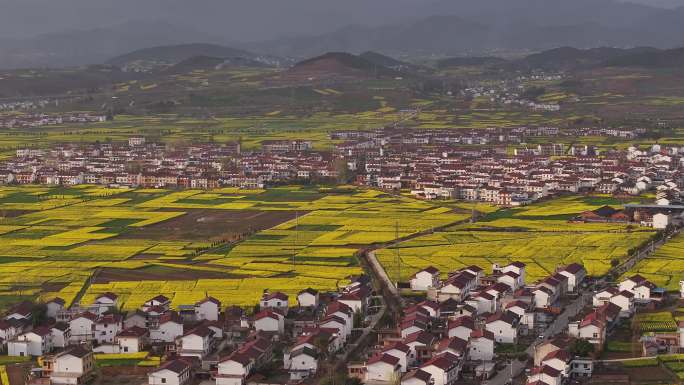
pixel 381 273
pixel 557 326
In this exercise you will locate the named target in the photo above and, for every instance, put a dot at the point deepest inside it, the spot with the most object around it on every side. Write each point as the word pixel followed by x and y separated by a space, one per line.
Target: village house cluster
pixel 40 120
pixel 459 326
pixel 456 331
pixel 433 166
pixel 139 163
pixel 27 105
pixel 469 322
pixel 201 339
pixel 512 92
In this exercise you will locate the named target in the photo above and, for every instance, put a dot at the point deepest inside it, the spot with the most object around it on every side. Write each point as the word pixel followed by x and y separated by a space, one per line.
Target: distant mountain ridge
pixel 569 58
pixel 429 28
pixel 476 28
pixel 390 62
pixel 175 54
pixel 342 64
pixel 654 59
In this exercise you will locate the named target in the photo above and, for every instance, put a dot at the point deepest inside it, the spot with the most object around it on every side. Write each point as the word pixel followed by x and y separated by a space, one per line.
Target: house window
pixel 163 380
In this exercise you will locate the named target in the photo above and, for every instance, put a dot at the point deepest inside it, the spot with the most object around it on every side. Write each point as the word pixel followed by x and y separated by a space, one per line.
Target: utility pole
pixel 296 240
pixel 397 259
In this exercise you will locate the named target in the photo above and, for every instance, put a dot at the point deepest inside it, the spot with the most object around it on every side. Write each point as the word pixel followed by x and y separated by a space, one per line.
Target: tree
pixel 533 93
pixel 582 348
pixel 358 320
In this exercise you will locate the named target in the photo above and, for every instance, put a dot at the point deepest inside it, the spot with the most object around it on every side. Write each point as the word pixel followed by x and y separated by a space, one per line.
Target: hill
pixel 390 62
pixel 340 64
pixel 653 59
pixel 568 58
pixel 210 63
pixel 93 46
pixel 477 28
pixel 173 54
pixel 469 61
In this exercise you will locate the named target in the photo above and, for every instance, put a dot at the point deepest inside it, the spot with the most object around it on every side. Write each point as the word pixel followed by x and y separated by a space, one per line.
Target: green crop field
pixel 539 235
pixel 192 243
pixel 665 267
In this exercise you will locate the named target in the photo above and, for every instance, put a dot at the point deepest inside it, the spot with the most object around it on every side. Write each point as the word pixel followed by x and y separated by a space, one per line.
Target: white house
pixel 576 274
pixel 625 300
pixel 275 300
pixel 82 327
pixel 481 345
pixel 208 309
pixel 661 221
pixel 195 343
pixel 604 296
pixel 504 326
pixel 456 346
pixel 105 302
pixel 132 340
pixel 54 306
pixel 269 321
pixel 74 366
pixel 9 329
pixel 513 280
pixel 431 307
pixel 383 368
pixel 338 323
pixel 419 343
pixel 444 369
pixel 425 279
pixel 543 297
pixel 483 302
pixel 176 372
pixel 234 369
pixel 357 300
pixel 168 328
pixel 477 271
pixel 592 328
pixel 559 360
pixel 630 283
pixel 517 268
pixel 107 327
pixel 160 301
pixel 457 286
pixel 341 310
pixel 522 310
pixel 461 327
pixel 308 298
pixel 61 334
pixel 545 374
pixel 401 351
pixel 412 326
pixel 301 363
pixel 22 311
pixel 137 318
pixel 33 343
pixel 417 377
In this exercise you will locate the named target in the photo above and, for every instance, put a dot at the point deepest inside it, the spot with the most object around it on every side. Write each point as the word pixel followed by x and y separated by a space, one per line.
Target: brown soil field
pixel 13 213
pixel 158 273
pixel 211 225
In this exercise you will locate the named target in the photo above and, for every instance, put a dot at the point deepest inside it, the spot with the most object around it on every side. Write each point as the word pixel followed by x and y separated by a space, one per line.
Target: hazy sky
pixel 238 20
pixel 259 19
